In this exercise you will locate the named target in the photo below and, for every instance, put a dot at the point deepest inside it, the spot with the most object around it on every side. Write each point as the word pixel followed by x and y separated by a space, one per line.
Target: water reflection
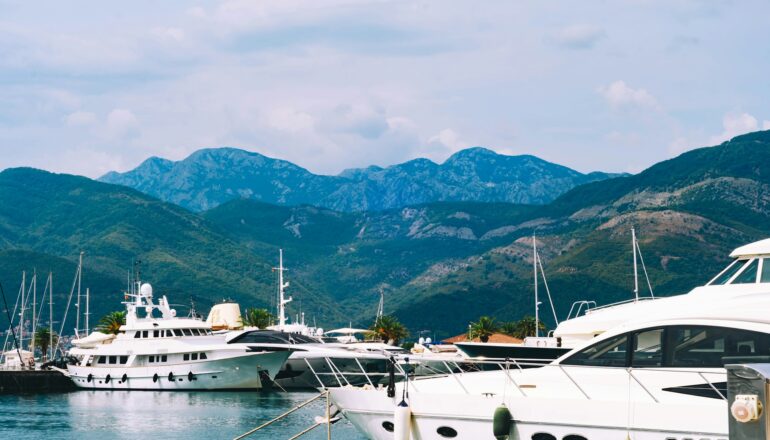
pixel 99 415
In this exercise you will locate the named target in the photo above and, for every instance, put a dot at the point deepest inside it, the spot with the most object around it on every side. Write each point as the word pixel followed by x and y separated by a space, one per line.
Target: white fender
pixel 402 421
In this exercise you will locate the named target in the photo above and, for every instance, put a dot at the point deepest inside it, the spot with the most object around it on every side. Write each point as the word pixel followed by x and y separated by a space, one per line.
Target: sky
pixel 88 87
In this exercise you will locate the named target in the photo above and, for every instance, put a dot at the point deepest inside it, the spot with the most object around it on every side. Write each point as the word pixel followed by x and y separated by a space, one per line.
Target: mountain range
pixel 210 177
pixel 440 264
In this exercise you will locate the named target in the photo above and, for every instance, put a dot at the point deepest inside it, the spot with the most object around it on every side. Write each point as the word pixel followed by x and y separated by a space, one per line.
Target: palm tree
pixel 389 329
pixel 260 318
pixel 111 322
pixel 526 327
pixel 43 338
pixel 484 328
pixel 509 328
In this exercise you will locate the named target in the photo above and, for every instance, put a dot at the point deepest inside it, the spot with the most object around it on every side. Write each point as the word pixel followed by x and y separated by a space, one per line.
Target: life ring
pixel 124 378
pixel 90 378
pixel 155 377
pixel 190 376
pixel 107 379
pixel 170 377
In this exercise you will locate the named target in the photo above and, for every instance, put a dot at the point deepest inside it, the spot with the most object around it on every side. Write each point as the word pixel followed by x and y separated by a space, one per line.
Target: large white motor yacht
pixel 659 375
pixel 170 353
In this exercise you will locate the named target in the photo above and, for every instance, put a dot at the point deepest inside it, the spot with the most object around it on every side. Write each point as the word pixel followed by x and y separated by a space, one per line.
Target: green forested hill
pixel 440 265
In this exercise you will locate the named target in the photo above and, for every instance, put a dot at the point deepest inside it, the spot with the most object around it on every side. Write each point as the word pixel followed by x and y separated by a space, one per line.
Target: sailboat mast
pixel 534 270
pixel 282 300
pixel 636 271
pixel 50 312
pixel 88 313
pixel 21 315
pixel 34 311
pixel 77 303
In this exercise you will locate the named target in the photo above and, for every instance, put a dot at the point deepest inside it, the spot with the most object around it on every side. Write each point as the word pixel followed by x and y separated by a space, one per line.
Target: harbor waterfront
pixel 99 415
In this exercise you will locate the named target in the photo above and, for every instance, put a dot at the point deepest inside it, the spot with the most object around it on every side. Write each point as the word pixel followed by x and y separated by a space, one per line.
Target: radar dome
pixel 146 290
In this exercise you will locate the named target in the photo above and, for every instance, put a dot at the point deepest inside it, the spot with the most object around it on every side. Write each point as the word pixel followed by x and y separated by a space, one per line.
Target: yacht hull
pixel 471 417
pixel 247 371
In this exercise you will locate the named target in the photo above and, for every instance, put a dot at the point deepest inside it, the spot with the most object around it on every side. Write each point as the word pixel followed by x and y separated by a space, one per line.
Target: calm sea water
pixel 112 415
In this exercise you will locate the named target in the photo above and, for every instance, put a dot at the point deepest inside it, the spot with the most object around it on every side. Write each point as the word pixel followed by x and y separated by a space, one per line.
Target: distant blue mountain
pixel 210 177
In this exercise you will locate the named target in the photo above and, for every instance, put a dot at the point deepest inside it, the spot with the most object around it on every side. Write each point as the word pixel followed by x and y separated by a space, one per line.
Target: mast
pixel 50 313
pixel 282 300
pixel 21 315
pixel 380 307
pixel 636 272
pixel 77 302
pixel 88 294
pixel 534 270
pixel 34 311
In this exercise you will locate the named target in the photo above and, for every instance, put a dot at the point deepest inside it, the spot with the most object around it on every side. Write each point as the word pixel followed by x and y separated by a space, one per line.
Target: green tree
pixel 111 322
pixel 526 327
pixel 260 318
pixel 43 339
pixel 389 329
pixel 509 328
pixel 484 328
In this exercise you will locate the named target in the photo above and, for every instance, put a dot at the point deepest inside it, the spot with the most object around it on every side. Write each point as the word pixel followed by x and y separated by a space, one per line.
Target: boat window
pixel 156 333
pixel 203 356
pixel 705 347
pixel 728 273
pixel 186 357
pixel 648 348
pixel 152 359
pixel 124 359
pixel 177 332
pixel 163 358
pixel 609 353
pixel 194 356
pixel 113 360
pixel 144 333
pixel 749 274
pixel 101 359
pixel 137 335
pixel 765 276
pixel 187 332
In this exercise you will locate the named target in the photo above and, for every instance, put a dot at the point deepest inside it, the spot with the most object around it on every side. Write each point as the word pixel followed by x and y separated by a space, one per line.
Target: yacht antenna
pixel 636 270
pixel 534 269
pixel 282 300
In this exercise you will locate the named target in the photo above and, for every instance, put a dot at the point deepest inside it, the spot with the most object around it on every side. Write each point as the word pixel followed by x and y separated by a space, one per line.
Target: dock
pixel 34 381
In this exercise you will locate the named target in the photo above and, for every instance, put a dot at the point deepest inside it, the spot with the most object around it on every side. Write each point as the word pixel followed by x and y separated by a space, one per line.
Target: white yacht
pixel 658 375
pixel 170 353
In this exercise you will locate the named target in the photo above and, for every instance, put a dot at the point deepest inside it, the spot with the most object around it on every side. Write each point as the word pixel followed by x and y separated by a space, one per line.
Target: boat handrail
pixel 627 301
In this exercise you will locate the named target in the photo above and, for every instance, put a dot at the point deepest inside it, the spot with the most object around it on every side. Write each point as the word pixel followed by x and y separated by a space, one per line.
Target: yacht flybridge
pixel 170 353
pixel 658 375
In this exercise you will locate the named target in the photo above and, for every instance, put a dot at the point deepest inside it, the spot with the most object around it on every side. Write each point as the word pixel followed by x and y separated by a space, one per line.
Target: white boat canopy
pixel 761 247
pixel 348 331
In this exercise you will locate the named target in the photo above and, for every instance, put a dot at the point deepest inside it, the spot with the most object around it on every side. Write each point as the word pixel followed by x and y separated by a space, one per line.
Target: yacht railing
pixel 505 365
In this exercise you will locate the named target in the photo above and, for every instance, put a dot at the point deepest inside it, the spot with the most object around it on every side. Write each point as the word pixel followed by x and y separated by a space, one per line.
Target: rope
pixel 547 291
pixel 270 422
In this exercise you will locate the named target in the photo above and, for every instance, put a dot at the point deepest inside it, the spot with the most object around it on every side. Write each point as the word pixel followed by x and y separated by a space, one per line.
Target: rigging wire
pixel 13 332
pixel 547 291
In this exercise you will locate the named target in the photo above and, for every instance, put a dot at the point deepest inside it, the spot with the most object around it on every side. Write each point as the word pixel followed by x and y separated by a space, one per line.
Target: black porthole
pixel 573 437
pixel 388 426
pixel 446 432
pixel 543 436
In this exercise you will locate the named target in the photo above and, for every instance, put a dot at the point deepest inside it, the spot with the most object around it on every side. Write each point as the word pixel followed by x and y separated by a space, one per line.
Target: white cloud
pixel 289 120
pixel 735 124
pixel 578 36
pixel 618 94
pixel 80 118
pixel 169 33
pixel 122 123
pixel 765 125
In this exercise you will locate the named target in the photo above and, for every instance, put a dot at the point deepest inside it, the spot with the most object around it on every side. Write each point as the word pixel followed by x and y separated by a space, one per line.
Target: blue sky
pixel 89 86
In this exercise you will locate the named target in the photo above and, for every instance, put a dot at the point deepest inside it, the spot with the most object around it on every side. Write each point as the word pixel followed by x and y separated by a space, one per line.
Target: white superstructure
pixel 168 353
pixel 658 375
